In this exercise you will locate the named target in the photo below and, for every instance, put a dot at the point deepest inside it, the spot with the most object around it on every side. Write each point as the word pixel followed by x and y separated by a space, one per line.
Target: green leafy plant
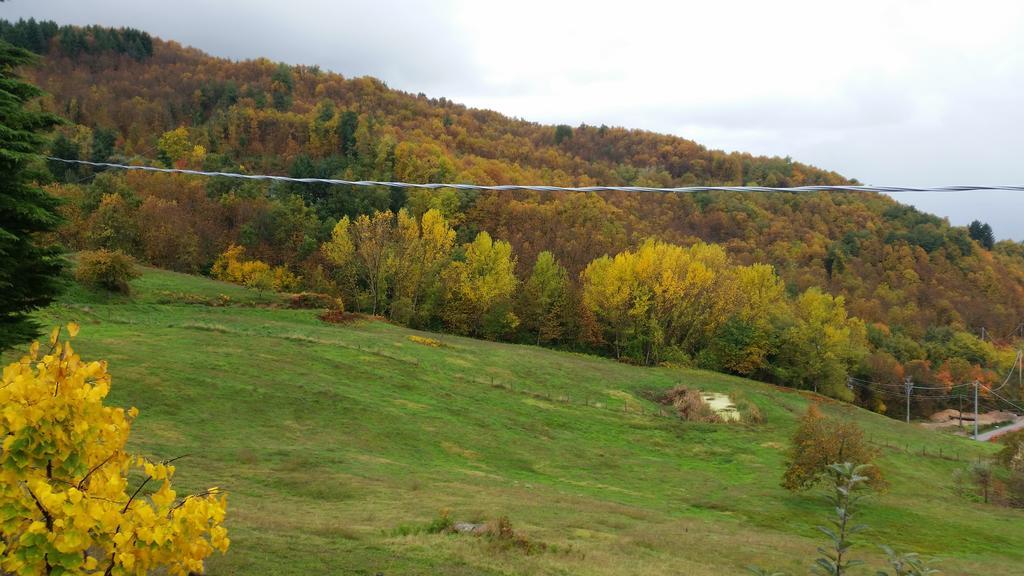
pixel 847 480
pixel 110 270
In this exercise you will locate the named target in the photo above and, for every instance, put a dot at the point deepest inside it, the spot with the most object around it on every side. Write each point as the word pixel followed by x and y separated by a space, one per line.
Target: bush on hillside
pixel 499 532
pixel 311 301
pixel 1015 489
pixel 750 412
pixel 690 405
pixel 256 274
pixel 819 442
pixel 1012 454
pixel 432 342
pixel 110 270
pixel 65 501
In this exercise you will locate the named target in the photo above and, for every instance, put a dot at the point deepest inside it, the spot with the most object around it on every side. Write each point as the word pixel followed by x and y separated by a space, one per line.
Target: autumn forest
pixel 798 289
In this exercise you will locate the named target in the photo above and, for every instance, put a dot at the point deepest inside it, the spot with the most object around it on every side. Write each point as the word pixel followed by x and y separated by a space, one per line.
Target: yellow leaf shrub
pixel 425 341
pixel 66 506
pixel 257 274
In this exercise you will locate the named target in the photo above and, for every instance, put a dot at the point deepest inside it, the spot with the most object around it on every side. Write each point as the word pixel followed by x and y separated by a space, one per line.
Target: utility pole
pixel 908 385
pixel 982 332
pixel 960 397
pixel 976 384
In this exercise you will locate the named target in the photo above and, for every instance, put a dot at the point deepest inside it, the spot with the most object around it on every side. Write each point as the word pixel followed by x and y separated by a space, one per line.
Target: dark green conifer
pixel 29 270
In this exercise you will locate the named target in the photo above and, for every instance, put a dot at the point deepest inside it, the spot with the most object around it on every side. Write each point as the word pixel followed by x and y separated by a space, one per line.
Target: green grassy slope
pixel 330 437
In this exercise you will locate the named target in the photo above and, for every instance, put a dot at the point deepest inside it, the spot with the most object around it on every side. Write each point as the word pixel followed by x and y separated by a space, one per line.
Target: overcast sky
pixel 908 92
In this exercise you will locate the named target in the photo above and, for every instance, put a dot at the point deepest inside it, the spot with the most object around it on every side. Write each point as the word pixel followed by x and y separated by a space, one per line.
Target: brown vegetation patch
pixel 341 317
pixel 310 301
pixel 689 404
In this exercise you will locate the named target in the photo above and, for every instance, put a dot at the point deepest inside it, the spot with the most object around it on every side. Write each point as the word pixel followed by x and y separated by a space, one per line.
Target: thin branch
pixel 202 494
pixel 46 514
pixel 94 469
pixel 137 490
pixel 166 462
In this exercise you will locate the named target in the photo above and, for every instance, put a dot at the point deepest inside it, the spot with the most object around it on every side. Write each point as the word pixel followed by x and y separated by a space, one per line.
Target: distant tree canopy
pixel 562 133
pixel 37 36
pixel 982 234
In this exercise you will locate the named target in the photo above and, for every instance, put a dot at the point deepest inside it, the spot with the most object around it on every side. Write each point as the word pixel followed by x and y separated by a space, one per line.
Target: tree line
pixel 41 36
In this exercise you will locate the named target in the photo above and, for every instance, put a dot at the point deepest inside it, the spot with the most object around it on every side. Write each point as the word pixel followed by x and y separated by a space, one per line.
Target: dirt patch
pixel 952 418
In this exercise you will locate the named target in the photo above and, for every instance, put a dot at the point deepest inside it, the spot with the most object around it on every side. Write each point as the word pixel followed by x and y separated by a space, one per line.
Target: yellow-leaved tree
pixel 257 274
pixel 66 506
pixel 660 296
pixel 480 288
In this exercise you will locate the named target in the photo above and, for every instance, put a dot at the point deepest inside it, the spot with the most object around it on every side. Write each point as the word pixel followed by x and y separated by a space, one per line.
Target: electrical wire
pixel 1003 399
pixel 916 387
pixel 538 188
pixel 903 395
pixel 1007 379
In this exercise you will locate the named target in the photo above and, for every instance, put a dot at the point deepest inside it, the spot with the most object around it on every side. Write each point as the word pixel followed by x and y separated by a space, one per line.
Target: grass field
pixel 330 438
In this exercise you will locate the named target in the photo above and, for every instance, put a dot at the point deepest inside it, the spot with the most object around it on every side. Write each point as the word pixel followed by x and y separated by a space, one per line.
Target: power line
pixel 916 387
pixel 993 392
pixel 1016 362
pixel 538 188
pixel 901 395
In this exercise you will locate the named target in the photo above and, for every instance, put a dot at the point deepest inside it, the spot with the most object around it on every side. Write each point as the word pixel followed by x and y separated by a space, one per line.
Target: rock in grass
pixel 469 528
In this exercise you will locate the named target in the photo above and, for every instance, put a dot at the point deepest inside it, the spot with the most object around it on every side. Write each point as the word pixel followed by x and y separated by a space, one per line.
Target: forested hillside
pixel 857 283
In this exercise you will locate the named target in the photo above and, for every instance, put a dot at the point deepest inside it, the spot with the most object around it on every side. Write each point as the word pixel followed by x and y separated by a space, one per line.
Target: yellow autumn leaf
pixel 90 513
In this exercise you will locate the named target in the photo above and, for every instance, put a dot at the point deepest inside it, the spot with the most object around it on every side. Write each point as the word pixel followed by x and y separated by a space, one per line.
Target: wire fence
pixel 926 451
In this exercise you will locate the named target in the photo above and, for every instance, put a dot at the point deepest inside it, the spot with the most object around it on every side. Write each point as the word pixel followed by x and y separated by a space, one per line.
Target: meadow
pixel 338 442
